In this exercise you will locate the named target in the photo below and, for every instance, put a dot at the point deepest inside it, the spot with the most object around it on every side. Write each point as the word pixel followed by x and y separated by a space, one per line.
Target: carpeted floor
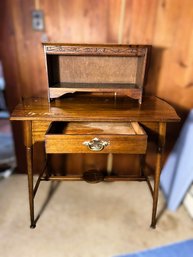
pixel 80 220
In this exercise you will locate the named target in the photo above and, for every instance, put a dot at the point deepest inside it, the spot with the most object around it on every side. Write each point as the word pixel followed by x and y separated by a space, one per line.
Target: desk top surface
pixel 85 107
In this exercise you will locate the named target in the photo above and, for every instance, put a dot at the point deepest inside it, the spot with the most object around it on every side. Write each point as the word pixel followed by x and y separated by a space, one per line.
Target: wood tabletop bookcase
pixel 96 68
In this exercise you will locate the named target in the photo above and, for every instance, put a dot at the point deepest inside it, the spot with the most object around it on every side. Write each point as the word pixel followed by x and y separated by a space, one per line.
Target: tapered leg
pixel 30 186
pixel 161 144
pixel 28 145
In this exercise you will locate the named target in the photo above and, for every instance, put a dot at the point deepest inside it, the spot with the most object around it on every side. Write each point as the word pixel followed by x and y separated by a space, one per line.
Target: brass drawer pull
pixel 96 144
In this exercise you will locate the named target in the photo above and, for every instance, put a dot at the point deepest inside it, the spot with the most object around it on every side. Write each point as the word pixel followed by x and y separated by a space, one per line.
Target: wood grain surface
pixel 87 107
pixel 70 137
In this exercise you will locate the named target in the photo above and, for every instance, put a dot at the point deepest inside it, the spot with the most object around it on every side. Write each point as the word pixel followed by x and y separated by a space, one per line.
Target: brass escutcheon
pixel 96 144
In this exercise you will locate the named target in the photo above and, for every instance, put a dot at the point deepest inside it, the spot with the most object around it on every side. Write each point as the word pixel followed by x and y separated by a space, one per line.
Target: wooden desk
pixel 36 115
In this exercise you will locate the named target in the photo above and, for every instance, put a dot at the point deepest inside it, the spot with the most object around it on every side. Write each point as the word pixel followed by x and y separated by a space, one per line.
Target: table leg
pixel 161 144
pixel 28 145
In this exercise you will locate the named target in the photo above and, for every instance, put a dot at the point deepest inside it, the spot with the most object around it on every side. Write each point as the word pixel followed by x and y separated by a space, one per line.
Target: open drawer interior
pixel 89 137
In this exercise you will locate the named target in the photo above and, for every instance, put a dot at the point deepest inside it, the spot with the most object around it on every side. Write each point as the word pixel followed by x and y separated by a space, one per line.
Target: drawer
pixel 93 137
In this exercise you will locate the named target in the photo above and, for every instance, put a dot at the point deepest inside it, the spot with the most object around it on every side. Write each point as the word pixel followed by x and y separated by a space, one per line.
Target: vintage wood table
pixel 83 123
pixel 70 125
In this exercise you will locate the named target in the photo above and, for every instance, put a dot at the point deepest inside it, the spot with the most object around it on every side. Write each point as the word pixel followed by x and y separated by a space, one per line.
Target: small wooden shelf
pixel 96 68
pixel 59 89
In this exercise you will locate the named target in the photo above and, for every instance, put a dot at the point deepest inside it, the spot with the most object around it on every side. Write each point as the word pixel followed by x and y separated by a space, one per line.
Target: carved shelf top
pixel 96 50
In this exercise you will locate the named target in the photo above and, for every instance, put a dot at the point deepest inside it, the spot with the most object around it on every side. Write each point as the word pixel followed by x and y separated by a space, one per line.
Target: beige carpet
pixel 83 220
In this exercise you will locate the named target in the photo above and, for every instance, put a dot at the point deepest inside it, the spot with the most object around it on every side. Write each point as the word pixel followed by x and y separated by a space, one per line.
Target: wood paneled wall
pixel 165 24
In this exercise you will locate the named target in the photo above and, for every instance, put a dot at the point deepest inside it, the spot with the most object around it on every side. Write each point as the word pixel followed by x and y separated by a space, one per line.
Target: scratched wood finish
pixel 164 24
pixel 101 108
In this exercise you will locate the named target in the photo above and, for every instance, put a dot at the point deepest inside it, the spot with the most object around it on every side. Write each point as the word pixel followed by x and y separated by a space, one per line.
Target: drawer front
pixel 76 143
